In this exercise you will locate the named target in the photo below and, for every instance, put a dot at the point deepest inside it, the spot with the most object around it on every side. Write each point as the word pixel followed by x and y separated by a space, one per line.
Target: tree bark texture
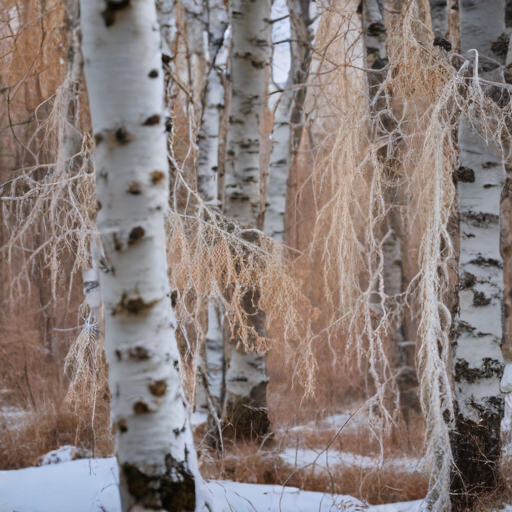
pixel 245 406
pixel 290 105
pixel 154 446
pixel 478 363
pixel 250 59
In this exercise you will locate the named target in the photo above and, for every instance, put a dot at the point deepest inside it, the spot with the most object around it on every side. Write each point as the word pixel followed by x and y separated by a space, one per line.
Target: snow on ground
pixel 63 454
pixel 90 485
pixel 346 421
pixel 324 460
pixel 198 418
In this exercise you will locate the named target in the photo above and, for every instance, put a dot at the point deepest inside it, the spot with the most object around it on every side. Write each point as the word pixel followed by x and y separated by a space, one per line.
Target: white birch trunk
pixel 213 365
pixel 251 40
pixel 207 162
pixel 300 51
pixel 154 446
pixel 478 357
pixel 279 165
pixel 250 59
pixel 374 32
pixel 246 379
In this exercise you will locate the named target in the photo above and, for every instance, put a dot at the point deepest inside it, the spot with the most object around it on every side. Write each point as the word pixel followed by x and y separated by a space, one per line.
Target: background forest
pixel 330 204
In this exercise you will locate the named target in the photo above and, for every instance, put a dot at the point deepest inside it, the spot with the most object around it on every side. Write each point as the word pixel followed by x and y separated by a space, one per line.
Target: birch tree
pixel 478 358
pixel 154 446
pixel 213 104
pixel 246 378
pixel 290 106
pixel 251 47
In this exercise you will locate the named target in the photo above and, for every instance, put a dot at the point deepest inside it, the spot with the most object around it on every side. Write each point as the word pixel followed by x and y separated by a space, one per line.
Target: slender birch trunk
pixel 245 401
pixel 291 102
pixel 213 104
pixel 154 446
pixel 478 358
pixel 211 370
pixel 250 59
pixel 207 162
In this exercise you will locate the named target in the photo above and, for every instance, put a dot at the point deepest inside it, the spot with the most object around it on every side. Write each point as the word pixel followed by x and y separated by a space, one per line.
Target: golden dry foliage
pixel 406 137
pixel 358 148
pixel 213 259
pixel 210 258
pixel 47 210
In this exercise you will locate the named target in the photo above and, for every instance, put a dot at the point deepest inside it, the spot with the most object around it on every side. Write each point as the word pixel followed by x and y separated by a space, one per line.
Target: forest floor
pixel 326 465
pixel 90 485
pixel 336 455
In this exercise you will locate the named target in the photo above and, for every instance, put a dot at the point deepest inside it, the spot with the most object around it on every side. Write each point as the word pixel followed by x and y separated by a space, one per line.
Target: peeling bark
pixel 154 446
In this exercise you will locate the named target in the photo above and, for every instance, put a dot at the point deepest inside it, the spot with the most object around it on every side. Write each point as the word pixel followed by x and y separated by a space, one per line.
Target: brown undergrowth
pixel 26 435
pixel 262 463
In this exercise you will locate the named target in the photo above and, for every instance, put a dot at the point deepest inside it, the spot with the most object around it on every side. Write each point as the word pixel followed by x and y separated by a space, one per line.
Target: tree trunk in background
pixel 245 401
pixel 250 59
pixel 478 359
pixel 212 365
pixel 213 104
pixel 506 382
pixel 207 162
pixel 154 446
pixel 379 18
pixel 290 104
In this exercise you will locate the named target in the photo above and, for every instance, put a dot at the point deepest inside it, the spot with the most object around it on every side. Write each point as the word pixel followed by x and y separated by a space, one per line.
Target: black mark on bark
pixel 158 388
pixel 134 188
pixel 140 407
pixel 113 6
pixel 157 177
pixel 136 234
pixel 133 306
pixel 151 121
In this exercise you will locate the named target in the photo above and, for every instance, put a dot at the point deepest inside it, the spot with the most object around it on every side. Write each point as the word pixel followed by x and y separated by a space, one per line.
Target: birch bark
pixel 478 358
pixel 213 105
pixel 154 446
pixel 246 379
pixel 291 103
pixel 251 43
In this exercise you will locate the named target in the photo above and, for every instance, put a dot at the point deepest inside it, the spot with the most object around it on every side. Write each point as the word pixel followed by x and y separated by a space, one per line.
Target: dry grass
pixel 329 312
pixel 359 148
pixel 253 463
pixel 31 434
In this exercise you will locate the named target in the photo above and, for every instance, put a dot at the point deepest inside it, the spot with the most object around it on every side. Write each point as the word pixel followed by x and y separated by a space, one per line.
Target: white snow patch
pixel 324 460
pixel 198 418
pixel 346 421
pixel 91 486
pixel 63 454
